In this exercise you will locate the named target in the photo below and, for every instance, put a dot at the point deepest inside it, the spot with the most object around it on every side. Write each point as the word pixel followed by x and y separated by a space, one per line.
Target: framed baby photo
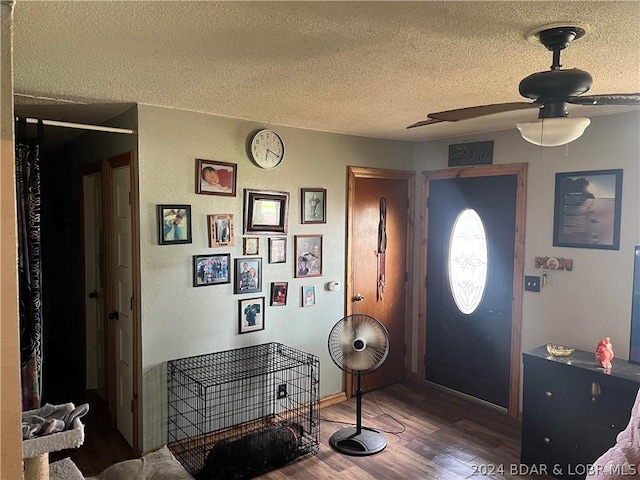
pixel 308 296
pixel 278 250
pixel 220 230
pixel 279 293
pixel 174 224
pixel 211 269
pixel 308 252
pixel 251 314
pixel 216 178
pixel 250 246
pixel 248 275
pixel 313 205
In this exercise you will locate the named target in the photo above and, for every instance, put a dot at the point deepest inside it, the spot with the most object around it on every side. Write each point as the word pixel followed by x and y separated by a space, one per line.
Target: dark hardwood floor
pixel 444 437
pixel 103 444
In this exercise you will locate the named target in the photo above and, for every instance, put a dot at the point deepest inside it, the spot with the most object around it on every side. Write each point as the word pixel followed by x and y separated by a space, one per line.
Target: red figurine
pixel 604 353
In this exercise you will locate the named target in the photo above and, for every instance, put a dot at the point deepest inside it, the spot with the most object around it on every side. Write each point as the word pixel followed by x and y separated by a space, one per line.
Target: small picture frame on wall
pixel 248 275
pixel 278 250
pixel 215 178
pixel 211 269
pixel 308 251
pixel 251 314
pixel 221 230
pixel 308 296
pixel 250 245
pixel 279 293
pixel 587 209
pixel 174 224
pixel 313 205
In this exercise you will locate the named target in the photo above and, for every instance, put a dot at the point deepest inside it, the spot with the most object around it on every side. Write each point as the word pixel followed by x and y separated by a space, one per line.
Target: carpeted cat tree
pixel 35 451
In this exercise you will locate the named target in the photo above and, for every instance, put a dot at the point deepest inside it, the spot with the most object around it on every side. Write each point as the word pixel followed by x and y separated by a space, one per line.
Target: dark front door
pixel 468 325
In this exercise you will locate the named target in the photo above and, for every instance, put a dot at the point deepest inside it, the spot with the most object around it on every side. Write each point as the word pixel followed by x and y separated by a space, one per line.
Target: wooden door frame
pixel 520 171
pixel 384 174
pixel 109 165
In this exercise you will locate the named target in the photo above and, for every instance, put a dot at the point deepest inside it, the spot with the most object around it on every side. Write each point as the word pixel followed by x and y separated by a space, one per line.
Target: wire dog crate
pixel 240 413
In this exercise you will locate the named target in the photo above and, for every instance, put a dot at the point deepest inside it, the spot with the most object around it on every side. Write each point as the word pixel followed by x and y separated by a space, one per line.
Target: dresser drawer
pixel 550 443
pixel 554 392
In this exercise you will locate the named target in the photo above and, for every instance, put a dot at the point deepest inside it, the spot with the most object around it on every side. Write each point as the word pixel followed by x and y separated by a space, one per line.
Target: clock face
pixel 267 149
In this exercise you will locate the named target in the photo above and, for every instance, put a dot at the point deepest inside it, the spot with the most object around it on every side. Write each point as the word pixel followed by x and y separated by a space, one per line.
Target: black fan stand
pixel 358 441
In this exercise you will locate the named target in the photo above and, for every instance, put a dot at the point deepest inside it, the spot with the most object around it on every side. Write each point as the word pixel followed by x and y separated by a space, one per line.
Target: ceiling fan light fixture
pixel 552 132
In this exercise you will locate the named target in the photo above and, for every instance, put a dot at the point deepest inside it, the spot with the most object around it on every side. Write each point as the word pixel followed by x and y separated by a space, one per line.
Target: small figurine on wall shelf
pixel 604 353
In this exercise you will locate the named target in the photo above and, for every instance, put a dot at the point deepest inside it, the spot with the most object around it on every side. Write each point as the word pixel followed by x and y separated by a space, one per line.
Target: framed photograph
pixel 174 224
pixel 215 178
pixel 278 250
pixel 251 314
pixel 279 293
pixel 220 230
pixel 211 269
pixel 250 245
pixel 308 296
pixel 248 278
pixel 587 209
pixel 265 213
pixel 313 205
pixel 308 250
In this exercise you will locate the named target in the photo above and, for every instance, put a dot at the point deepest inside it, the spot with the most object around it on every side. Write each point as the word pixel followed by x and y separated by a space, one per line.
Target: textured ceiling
pixel 359 68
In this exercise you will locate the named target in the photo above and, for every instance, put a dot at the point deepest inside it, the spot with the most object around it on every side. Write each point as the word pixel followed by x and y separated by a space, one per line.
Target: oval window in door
pixel 468 261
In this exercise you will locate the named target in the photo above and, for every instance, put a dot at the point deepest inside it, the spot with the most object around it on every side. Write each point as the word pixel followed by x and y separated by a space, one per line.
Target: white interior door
pixel 122 269
pixel 93 274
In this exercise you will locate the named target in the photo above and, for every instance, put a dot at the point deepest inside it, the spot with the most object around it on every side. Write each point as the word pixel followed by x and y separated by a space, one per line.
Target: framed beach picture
pixel 211 269
pixel 587 209
pixel 251 314
pixel 221 230
pixel 174 224
pixel 279 293
pixel 215 178
pixel 248 275
pixel 313 205
pixel 308 253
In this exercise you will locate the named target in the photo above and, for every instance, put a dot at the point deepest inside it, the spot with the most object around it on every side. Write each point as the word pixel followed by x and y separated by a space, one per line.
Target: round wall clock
pixel 266 149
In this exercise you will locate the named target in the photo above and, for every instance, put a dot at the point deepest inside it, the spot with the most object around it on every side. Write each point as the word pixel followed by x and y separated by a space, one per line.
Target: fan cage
pixel 373 355
pixel 241 395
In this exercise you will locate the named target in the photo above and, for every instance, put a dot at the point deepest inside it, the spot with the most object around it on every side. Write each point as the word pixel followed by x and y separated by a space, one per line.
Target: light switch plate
pixel 531 284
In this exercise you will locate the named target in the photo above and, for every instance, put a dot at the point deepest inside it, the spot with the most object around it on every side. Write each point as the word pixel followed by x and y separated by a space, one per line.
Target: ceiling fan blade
pixel 608 99
pixel 480 111
pixel 424 122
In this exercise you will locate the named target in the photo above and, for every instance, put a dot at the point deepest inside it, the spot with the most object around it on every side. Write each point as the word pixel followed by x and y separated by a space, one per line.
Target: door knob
pixel 93 294
pixel 114 315
pixel 358 297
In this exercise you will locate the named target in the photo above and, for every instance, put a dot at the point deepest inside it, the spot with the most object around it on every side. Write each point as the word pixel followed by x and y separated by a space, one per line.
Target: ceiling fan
pixel 552 91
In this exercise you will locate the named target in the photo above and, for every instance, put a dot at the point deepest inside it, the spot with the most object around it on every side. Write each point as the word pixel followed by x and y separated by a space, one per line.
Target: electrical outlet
pixel 531 284
pixel 282 390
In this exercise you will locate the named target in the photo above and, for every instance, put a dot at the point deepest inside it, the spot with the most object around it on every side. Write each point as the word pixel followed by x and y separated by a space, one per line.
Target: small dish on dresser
pixel 559 350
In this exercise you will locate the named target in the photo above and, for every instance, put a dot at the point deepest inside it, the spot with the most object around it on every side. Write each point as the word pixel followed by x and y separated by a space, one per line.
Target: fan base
pixel 350 442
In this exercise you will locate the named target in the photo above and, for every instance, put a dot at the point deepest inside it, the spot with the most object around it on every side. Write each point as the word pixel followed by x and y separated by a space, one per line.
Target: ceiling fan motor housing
pixel 555 85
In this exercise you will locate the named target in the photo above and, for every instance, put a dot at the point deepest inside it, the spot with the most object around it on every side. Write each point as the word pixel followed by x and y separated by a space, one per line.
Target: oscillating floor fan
pixel 358 344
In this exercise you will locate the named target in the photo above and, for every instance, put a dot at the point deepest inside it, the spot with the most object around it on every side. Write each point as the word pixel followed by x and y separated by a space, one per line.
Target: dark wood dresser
pixel 572 409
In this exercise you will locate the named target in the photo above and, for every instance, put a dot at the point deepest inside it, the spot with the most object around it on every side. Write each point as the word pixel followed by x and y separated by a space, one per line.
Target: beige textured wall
pixel 179 320
pixel 10 439
pixel 593 301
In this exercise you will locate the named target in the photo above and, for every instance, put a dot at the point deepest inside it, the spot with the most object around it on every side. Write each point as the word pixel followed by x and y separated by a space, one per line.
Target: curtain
pixel 28 200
